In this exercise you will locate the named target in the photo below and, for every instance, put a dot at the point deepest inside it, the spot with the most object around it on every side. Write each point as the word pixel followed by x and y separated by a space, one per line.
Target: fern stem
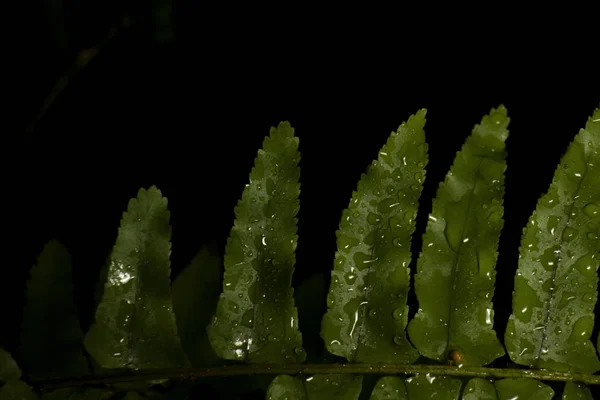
pixel 312 369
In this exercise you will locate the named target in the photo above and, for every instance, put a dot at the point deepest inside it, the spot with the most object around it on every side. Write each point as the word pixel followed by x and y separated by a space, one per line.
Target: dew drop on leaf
pixel 395 223
pixel 589 297
pixel 350 278
pixel 397 314
pixel 373 218
pixel 569 234
pixel 592 210
pixel 582 328
pixel 362 260
pixel 587 264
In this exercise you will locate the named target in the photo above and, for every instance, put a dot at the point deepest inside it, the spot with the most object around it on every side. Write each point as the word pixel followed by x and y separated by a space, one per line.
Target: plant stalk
pixel 312 369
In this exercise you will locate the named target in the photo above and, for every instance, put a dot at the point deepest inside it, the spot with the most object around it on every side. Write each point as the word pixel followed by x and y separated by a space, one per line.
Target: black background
pixel 190 114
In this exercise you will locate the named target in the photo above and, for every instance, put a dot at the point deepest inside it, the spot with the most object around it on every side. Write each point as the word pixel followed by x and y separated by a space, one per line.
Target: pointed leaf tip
pixel 367 301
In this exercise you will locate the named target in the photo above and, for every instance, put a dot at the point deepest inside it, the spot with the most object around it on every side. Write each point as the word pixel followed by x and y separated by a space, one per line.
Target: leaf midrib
pixel 454 267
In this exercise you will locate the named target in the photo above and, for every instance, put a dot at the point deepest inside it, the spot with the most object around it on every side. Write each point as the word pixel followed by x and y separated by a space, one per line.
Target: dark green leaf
pixel 576 391
pixel 390 387
pixel 367 309
pixel 256 320
pixel 317 387
pixel 556 285
pixel 79 394
pixel 51 309
pixel 479 389
pixel 286 387
pixel 9 369
pixel 16 390
pixel 135 326
pixel 433 387
pixel 456 269
pixel 195 294
pixel 523 389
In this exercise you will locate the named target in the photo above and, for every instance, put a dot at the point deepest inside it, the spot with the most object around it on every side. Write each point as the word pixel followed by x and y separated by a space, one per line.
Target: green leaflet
pixel 50 308
pixel 523 389
pixel 556 285
pixel 79 394
pixel 16 390
pixel 456 268
pixel 11 387
pixel 576 391
pixel 135 326
pixel 506 389
pixel 256 320
pixel 389 388
pixel 479 389
pixel 419 387
pixel 317 387
pixel 367 311
pixel 432 387
pixel 9 369
pixel 195 294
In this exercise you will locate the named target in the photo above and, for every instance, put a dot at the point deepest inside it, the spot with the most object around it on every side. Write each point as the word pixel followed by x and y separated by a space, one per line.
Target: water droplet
pixel 409 216
pixel 549 258
pixel 566 298
pixel 495 216
pixel 398 313
pixel 395 223
pixel 552 224
pixel 330 300
pixel 350 278
pixel 356 214
pixel 362 260
pixel 271 337
pixel 248 317
pixel 592 235
pixel 299 350
pixel 414 187
pixel 419 177
pixel 569 234
pixel 386 205
pixel 346 242
pixel 582 328
pixel 373 218
pixel 589 297
pixel 391 189
pixel 550 199
pixel 372 312
pixel 370 239
pixel 398 339
pixel 397 242
pixel 592 210
pixel 587 264
pixel 548 285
